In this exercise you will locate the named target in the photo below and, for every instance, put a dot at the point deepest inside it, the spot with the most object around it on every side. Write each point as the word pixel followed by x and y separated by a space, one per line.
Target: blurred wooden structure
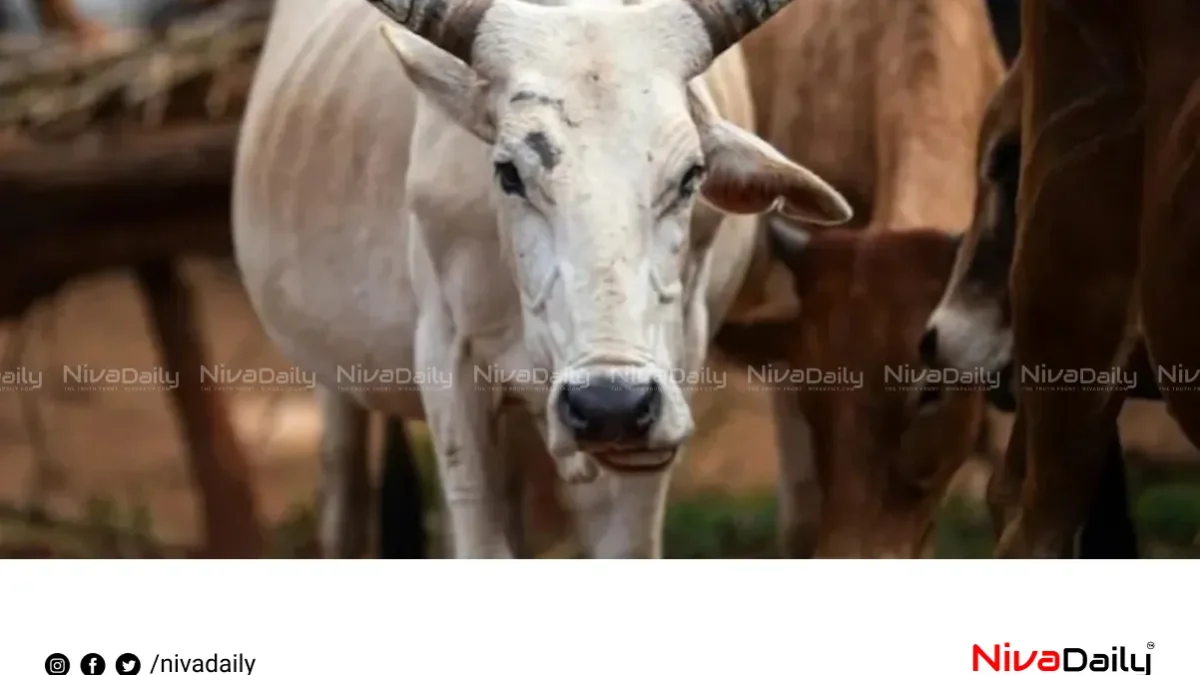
pixel 119 154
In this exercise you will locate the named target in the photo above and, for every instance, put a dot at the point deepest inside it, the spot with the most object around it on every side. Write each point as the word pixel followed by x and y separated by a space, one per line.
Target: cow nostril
pixel 927 349
pixel 569 412
pixel 646 411
pixel 610 409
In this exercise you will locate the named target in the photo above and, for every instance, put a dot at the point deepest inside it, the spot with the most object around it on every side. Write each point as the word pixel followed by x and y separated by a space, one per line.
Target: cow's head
pixel 970 327
pixel 600 144
pixel 885 448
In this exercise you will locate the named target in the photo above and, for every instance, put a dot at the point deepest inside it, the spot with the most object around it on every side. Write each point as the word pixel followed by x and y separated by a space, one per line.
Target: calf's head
pixel 970 328
pixel 600 144
pixel 885 448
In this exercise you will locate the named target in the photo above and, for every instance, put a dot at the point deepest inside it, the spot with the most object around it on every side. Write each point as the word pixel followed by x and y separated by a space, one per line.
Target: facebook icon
pixel 92 664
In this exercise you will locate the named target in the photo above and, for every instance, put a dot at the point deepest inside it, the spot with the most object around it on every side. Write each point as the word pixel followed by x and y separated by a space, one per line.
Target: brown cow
pixel 970 329
pixel 1109 211
pixel 883 99
pixel 885 449
pixel 886 99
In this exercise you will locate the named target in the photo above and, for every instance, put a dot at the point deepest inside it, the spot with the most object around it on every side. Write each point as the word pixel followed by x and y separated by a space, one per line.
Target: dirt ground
pixel 124 447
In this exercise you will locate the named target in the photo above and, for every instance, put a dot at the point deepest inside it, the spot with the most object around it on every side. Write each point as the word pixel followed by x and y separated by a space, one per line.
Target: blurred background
pixel 117 134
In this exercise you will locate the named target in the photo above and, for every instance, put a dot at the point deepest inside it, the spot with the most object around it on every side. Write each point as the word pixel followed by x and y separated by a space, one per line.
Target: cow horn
pixel 728 21
pixel 449 24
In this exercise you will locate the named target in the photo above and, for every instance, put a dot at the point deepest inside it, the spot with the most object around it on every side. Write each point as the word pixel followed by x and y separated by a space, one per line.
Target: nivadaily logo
pixel 1068 660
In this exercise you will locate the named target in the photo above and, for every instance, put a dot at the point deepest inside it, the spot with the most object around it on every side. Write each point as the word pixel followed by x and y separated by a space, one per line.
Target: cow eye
pixel 510 179
pixel 691 180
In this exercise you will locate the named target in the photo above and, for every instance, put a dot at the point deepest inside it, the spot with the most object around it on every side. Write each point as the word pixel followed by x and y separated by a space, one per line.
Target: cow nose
pixel 928 347
pixel 610 409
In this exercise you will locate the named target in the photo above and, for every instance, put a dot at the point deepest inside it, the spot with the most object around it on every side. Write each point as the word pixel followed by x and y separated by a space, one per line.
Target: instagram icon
pixel 57 664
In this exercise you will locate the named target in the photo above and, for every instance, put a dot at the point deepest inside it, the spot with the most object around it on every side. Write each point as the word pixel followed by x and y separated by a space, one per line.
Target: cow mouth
pixel 634 461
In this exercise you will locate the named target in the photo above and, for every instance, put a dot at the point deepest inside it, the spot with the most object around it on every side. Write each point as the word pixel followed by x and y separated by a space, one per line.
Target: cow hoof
pixel 577 468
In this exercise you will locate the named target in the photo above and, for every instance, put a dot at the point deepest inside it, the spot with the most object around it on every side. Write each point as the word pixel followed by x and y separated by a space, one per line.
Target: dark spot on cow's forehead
pixel 526 95
pixel 548 154
pixel 532 97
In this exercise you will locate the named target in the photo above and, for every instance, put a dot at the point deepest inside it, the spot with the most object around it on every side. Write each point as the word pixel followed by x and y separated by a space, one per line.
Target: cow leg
pixel 799 490
pixel 621 515
pixel 1073 275
pixel 345 484
pixel 1170 285
pixel 1108 532
pixel 401 509
pixel 462 421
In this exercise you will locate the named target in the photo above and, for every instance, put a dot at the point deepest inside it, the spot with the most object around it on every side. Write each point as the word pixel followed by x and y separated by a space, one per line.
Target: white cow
pixel 530 211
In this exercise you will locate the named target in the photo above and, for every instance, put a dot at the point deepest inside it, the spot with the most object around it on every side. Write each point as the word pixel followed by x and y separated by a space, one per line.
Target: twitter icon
pixel 128 664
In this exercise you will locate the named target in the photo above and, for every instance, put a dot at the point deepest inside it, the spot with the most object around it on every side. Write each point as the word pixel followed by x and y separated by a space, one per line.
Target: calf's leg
pixel 1076 255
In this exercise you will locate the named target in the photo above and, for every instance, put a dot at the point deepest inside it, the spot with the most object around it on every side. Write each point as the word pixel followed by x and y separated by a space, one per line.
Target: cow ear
pixel 787 241
pixel 747 176
pixel 449 83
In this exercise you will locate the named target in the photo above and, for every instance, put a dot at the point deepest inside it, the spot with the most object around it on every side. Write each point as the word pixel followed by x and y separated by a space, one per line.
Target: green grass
pixel 722 526
pixel 698 524
pixel 964 530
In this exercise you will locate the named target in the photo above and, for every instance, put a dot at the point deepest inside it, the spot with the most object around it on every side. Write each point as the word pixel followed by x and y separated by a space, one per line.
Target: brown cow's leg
pixel 1170 290
pixel 218 465
pixel 1109 531
pixel 1076 256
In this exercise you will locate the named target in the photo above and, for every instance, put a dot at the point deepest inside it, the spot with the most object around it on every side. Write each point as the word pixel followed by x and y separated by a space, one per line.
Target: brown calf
pixel 885 450
pixel 1108 240
pixel 885 100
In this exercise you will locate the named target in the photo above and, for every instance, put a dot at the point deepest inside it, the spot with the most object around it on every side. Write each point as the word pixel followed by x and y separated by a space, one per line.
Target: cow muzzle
pixel 966 338
pixel 624 420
